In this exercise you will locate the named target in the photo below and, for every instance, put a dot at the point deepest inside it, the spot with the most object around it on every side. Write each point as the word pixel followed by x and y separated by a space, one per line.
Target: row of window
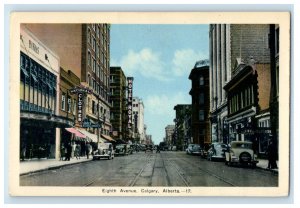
pixel 95 66
pixel 37 86
pixel 241 100
pixel 102 36
pixel 69 105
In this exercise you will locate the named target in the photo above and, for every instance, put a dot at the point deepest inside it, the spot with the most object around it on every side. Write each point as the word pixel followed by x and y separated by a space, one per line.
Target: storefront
pixel 39 120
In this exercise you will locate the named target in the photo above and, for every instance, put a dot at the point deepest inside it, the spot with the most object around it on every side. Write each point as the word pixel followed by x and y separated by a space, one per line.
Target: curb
pixel 52 168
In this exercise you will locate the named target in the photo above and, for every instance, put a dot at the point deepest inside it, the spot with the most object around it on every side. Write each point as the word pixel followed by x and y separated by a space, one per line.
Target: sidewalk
pixel 36 165
pixel 263 164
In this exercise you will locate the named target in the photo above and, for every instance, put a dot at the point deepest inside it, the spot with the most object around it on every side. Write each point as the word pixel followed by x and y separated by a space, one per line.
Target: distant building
pixel 118 102
pixel 183 113
pixel 200 104
pixel 138 119
pixel 169 134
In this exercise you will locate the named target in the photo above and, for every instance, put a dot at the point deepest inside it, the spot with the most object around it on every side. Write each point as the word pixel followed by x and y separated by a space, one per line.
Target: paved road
pixel 151 169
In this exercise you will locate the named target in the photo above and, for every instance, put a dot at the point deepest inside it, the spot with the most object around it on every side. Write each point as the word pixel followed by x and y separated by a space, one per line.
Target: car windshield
pixel 242 145
pixel 196 146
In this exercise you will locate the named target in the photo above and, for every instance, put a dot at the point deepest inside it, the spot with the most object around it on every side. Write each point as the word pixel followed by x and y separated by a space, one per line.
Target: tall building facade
pixel 200 124
pixel 84 49
pixel 274 99
pixel 181 127
pixel 138 119
pixel 39 103
pixel 240 64
pixel 169 130
pixel 118 102
pixel 219 75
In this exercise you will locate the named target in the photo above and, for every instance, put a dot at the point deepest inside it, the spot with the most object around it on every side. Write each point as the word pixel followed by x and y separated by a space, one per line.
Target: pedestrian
pixel 271 152
pixel 87 150
pixel 157 149
pixel 23 152
pixel 77 151
pixel 69 151
pixel 62 152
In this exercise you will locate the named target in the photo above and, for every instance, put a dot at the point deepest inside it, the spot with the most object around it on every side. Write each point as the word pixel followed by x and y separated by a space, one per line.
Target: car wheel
pixel 245 157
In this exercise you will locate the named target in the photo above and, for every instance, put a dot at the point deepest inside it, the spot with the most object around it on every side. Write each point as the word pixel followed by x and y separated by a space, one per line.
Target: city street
pixel 153 169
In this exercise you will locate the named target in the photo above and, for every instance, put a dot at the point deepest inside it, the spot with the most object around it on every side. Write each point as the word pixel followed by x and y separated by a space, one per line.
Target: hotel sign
pixel 129 103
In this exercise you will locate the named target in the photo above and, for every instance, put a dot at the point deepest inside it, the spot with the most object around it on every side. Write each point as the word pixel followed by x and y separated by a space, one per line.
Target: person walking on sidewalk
pixel 87 150
pixel 69 151
pixel 271 152
pixel 77 151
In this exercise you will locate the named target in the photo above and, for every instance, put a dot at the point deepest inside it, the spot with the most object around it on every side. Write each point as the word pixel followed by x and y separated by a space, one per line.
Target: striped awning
pixel 75 132
pixel 108 138
pixel 91 136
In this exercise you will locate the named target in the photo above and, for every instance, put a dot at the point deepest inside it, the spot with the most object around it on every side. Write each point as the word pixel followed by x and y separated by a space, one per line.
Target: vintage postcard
pixel 149 104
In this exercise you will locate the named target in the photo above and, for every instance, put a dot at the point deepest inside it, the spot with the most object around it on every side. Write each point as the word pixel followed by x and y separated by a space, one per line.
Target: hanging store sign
pixel 79 107
pixel 88 124
pixel 129 103
pixel 80 90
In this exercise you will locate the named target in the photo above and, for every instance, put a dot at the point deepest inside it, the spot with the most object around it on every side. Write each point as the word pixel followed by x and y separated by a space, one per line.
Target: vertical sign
pixel 129 84
pixel 79 106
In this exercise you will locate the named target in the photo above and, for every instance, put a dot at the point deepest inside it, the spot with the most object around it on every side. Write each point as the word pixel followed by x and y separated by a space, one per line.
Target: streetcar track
pixel 211 173
pixel 178 172
pixel 140 172
pixel 99 178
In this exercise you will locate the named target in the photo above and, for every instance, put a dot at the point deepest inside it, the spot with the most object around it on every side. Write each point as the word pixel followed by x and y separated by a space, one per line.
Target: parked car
pixel 217 151
pixel 121 150
pixel 193 149
pixel 105 150
pixel 240 152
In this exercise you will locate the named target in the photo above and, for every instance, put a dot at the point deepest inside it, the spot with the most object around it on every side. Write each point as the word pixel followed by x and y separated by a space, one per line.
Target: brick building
pixel 200 125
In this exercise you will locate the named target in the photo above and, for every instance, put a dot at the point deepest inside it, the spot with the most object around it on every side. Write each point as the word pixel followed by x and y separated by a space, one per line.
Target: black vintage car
pixel 121 150
pixel 149 148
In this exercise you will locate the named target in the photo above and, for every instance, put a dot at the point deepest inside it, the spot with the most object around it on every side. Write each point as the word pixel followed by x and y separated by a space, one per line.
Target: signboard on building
pixel 129 103
pixel 86 123
pixel 79 107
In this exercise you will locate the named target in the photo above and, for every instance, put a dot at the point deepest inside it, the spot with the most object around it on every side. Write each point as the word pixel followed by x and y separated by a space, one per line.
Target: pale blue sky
pixel 160 58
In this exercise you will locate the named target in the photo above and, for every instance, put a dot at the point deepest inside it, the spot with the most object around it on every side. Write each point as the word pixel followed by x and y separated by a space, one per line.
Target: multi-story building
pixel 118 102
pixel 169 134
pixel 68 105
pixel 181 127
pixel 219 74
pixel 200 124
pixel 84 49
pixel 138 119
pixel 39 103
pixel 248 90
pixel 274 99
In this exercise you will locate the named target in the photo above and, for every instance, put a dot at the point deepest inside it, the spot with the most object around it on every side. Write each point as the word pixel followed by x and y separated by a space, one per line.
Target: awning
pixel 76 132
pixel 91 136
pixel 108 138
